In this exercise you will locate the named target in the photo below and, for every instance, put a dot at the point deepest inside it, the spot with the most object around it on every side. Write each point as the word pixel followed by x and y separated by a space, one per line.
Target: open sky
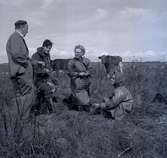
pixel 129 28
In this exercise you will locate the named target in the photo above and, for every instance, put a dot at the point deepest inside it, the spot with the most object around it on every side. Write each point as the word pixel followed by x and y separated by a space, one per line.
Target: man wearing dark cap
pixel 80 71
pixel 20 69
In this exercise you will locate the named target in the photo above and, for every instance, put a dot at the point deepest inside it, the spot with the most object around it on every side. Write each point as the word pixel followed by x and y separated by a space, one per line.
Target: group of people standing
pixel 35 84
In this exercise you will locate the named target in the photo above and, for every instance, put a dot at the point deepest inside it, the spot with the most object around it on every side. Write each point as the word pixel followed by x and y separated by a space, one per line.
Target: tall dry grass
pixel 71 134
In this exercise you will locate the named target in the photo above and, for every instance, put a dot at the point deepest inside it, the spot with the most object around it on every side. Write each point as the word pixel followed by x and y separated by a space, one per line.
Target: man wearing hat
pixel 79 71
pixel 20 70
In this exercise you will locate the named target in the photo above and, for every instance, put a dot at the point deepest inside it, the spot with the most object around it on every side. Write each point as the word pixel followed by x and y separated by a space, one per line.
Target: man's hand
pixel 106 99
pixel 108 76
pixel 87 73
pixel 102 105
pixel 52 86
pixel 46 70
pixel 99 105
pixel 41 63
pixel 96 105
pixel 84 73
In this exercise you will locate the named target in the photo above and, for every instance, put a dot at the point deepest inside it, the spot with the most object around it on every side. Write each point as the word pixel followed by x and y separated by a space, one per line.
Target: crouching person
pixel 79 71
pixel 120 103
pixel 44 81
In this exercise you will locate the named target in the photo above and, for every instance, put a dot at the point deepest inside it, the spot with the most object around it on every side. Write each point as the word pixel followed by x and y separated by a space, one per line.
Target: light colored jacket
pixel 120 103
pixel 18 58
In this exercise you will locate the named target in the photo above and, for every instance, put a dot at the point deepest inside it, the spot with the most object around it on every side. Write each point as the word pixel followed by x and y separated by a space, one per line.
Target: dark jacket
pixel 42 68
pixel 75 68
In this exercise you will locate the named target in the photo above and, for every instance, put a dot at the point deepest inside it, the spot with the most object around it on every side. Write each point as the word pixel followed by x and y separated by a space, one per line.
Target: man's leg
pixel 19 115
pixel 47 96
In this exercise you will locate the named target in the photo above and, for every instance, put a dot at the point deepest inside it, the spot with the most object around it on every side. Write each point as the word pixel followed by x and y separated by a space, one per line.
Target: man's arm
pixel 71 71
pixel 115 100
pixel 39 66
pixel 18 55
pixel 89 67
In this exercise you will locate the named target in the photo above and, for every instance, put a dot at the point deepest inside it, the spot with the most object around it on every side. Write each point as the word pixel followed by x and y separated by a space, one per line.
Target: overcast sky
pixel 129 28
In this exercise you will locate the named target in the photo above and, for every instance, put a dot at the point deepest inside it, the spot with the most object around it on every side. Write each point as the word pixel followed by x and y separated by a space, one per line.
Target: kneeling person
pixel 120 103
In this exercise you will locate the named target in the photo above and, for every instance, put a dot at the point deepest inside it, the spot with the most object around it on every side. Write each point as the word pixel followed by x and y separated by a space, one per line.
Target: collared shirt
pixel 20 33
pixel 23 38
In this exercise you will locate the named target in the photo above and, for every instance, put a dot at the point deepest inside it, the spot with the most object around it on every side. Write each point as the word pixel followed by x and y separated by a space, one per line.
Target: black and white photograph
pixel 83 79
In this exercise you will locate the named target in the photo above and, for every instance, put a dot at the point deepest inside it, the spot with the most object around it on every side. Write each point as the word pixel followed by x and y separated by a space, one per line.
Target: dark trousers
pixel 43 98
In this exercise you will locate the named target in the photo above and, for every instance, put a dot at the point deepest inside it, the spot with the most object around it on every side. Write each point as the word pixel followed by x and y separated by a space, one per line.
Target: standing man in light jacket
pixel 20 70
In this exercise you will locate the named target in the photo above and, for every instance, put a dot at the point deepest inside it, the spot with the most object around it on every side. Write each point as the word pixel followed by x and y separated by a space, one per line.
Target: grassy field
pixel 72 134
